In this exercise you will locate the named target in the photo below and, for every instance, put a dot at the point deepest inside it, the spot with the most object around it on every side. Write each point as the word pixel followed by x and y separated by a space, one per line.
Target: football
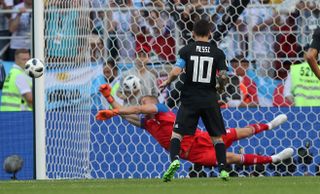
pixel 34 68
pixel 131 83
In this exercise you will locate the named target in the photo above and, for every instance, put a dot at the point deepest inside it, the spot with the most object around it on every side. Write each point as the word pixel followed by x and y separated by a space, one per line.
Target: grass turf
pixel 260 185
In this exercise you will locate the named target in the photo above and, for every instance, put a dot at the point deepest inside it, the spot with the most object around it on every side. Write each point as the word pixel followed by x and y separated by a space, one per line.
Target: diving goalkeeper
pixel 158 120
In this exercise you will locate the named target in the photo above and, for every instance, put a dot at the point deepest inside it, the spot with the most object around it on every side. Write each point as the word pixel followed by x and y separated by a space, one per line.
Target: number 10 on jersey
pixel 198 68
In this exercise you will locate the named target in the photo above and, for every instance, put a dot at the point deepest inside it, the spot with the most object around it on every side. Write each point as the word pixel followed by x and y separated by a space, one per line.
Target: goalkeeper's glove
pixel 107 114
pixel 105 90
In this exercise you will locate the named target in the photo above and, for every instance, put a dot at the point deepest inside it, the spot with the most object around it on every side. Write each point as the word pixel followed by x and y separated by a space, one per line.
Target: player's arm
pixel 311 57
pixel 24 89
pixel 133 119
pixel 174 73
pixel 128 113
pixel 29 98
pixel 312 54
pixel 15 20
pixel 140 109
pixel 143 109
pixel 105 90
pixel 222 74
pixel 176 70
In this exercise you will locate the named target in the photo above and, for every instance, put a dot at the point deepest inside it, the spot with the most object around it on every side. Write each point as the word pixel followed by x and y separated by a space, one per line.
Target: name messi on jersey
pixel 203 49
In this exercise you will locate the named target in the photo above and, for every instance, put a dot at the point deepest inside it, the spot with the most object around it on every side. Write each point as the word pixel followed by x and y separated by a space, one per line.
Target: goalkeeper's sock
pixel 250 159
pixel 259 127
pixel 174 149
pixel 220 155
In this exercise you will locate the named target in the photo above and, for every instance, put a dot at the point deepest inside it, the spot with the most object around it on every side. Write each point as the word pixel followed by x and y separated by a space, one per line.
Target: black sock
pixel 221 155
pixel 174 149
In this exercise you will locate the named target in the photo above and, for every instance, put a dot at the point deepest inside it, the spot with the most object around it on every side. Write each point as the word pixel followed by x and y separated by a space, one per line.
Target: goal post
pixel 39 91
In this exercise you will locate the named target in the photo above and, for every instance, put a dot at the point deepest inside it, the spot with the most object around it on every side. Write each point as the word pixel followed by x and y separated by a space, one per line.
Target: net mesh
pixel 67 88
pixel 261 40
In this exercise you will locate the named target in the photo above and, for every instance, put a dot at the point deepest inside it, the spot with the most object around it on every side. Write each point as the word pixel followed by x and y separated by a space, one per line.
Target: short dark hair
pixel 239 58
pixel 18 51
pixel 202 28
pixel 148 96
pixel 306 47
pixel 111 62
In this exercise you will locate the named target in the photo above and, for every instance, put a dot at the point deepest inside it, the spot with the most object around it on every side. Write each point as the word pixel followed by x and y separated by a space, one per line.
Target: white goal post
pixel 40 128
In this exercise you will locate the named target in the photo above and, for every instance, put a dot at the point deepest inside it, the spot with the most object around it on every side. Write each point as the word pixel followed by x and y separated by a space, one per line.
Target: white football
pixel 131 83
pixel 34 68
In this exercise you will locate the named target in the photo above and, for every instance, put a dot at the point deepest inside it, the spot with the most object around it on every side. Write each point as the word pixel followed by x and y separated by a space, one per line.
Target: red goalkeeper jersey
pixel 161 127
pixel 195 148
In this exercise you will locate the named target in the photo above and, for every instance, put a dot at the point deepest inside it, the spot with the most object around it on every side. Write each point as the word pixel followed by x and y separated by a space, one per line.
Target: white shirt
pixel 24 29
pixel 99 3
pixel 3 19
pixel 287 86
pixel 8 2
pixel 22 82
pixel 262 42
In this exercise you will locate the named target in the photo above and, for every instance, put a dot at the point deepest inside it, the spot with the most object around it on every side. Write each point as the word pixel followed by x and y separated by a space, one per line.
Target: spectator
pixel 2 79
pixel 20 27
pixel 155 30
pixel 191 12
pixel 286 49
pixel 248 88
pixel 302 86
pixel 4 28
pixel 17 88
pixel 266 85
pixel 119 29
pixel 149 85
pixel 97 49
pixel 2 76
pixel 307 20
pixel 278 96
pixel 98 22
pixel 64 31
pixel 110 76
pixel 261 19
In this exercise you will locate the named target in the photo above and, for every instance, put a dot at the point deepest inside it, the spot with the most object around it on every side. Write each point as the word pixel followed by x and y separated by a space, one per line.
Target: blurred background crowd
pixel 268 38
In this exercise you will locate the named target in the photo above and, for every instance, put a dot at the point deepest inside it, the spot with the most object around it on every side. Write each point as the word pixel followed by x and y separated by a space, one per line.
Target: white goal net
pixel 261 39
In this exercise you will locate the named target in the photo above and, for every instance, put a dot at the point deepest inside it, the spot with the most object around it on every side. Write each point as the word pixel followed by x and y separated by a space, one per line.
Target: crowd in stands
pixel 264 43
pixel 17 25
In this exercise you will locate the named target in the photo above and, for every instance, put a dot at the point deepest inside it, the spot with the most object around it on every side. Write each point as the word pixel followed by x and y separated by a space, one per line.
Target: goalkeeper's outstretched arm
pixel 128 113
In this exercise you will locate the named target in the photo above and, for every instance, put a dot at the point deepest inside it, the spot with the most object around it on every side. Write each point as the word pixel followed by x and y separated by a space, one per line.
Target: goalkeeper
pixel 197 148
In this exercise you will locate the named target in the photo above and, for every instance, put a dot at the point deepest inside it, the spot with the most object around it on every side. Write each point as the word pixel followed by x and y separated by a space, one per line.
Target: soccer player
pixel 312 54
pixel 197 148
pixel 201 60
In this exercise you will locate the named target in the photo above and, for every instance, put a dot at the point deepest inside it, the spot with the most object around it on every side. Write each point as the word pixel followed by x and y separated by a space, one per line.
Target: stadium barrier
pixel 120 150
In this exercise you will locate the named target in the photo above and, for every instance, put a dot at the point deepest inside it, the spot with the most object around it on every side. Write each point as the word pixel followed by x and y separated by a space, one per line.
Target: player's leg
pixel 212 120
pixel 251 159
pixel 175 143
pixel 247 159
pixel 260 127
pixel 186 123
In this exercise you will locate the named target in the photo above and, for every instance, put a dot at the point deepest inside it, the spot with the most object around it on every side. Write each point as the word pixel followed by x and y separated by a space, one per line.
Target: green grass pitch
pixel 259 185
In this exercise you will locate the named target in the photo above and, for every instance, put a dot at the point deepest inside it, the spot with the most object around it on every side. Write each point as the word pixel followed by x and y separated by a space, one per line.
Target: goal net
pixel 261 39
